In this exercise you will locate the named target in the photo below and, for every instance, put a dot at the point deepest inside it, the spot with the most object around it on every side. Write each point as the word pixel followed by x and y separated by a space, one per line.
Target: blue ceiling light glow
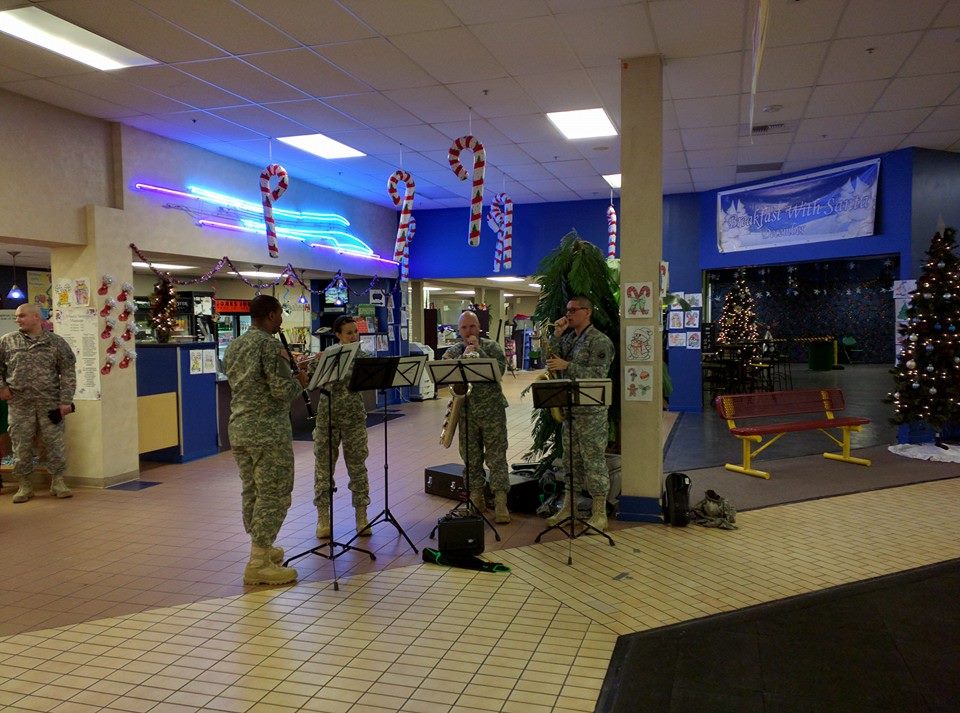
pixel 223 212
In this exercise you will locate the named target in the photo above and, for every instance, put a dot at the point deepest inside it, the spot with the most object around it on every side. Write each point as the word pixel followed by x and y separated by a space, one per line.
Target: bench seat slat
pixel 793 426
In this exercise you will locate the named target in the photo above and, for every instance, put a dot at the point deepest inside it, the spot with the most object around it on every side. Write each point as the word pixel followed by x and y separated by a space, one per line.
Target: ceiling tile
pixel 747 155
pixel 936 53
pixel 885 123
pixel 396 18
pixel 80 102
pixel 881 17
pixel 261 120
pixel 863 58
pixel 929 90
pixel 938 140
pixel 603 37
pixel 431 104
pixel 820 150
pixel 852 98
pixel 950 16
pixel 162 128
pixel 135 27
pixel 794 23
pixel 417 137
pixel 588 187
pixel 223 23
pixel 475 13
pixel 13 75
pixel 792 103
pixel 506 155
pixel 209 125
pixel 713 177
pixel 715 137
pixel 671 141
pixel 790 67
pixel 674 160
pixel 315 23
pixel 775 139
pixel 707 111
pixel 234 75
pixel 676 175
pixel 708 76
pixel 315 115
pixel 561 91
pixel 689 28
pixel 946 118
pixel 378 63
pixel 557 150
pixel 525 129
pixel 569 169
pixel 606 80
pixel 451 55
pixel 679 187
pixel 414 162
pixel 528 172
pixel 108 87
pixel 829 127
pixel 36 61
pixel 372 109
pixel 484 131
pixel 368 141
pixel 534 45
pixel 865 145
pixel 712 157
pixel 670 122
pixel 179 85
pixel 552 189
pixel 308 72
pixel 490 98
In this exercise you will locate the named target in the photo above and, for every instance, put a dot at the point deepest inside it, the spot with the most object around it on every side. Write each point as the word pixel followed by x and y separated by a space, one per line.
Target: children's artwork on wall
pixel 677 339
pixel 638 383
pixel 693 340
pixel 691 319
pixel 664 278
pixel 676 320
pixel 903 288
pixel 639 344
pixel 694 299
pixel 638 304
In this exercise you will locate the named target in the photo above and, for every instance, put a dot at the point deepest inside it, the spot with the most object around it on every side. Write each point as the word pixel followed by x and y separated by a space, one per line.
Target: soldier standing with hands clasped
pixel 488 421
pixel 581 351
pixel 262 387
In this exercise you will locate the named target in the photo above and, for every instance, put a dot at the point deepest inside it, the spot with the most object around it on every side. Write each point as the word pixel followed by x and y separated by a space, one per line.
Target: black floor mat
pixel 888 644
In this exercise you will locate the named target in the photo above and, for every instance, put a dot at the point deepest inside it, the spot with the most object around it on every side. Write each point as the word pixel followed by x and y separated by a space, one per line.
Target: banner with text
pixel 827 205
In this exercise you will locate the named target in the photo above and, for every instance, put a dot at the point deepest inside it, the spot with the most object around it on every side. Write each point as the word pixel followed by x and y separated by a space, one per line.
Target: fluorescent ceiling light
pixel 161 266
pixel 582 124
pixel 505 279
pixel 613 179
pixel 322 146
pixel 534 285
pixel 464 292
pixel 255 273
pixel 50 32
pixel 431 289
pixel 508 294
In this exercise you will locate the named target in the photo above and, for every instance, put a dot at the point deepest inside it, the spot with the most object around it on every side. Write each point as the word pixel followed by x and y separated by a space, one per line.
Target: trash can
pixel 821 356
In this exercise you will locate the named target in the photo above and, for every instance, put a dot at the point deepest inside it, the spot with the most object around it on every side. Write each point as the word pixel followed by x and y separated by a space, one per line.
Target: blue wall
pixel 936 195
pixel 440 248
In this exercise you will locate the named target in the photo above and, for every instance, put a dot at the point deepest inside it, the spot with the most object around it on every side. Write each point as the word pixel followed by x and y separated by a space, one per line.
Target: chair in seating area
pixel 850 350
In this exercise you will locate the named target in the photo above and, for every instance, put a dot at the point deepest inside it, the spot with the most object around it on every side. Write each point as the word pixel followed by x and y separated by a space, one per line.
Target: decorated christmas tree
pixel 738 316
pixel 927 374
pixel 163 308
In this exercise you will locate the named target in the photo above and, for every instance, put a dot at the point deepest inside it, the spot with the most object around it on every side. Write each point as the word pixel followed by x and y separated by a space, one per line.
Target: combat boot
pixel 362 529
pixel 478 500
pixel 598 514
pixel 562 513
pixel 59 489
pixel 276 555
pixel 26 490
pixel 501 514
pixel 323 523
pixel 261 569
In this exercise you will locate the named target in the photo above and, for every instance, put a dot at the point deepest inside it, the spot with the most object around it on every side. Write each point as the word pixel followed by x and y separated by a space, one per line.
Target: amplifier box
pixel 460 533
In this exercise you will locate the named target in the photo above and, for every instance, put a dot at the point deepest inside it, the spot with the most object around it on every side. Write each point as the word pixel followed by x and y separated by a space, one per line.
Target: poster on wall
pixel 79 326
pixel 691 319
pixel 677 339
pixel 694 299
pixel 639 300
pixel 833 204
pixel 664 278
pixel 675 320
pixel 638 383
pixel 38 290
pixel 639 344
pixel 693 340
pixel 8 321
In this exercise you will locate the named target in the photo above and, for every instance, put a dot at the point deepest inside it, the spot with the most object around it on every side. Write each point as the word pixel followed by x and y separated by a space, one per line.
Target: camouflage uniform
pixel 41 374
pixel 590 355
pixel 488 422
pixel 262 387
pixel 350 429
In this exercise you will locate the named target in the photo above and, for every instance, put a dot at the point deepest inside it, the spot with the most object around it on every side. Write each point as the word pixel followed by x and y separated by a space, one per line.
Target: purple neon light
pixel 168 191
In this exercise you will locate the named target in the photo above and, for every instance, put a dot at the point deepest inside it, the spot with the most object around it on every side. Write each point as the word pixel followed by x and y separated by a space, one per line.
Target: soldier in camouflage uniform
pixel 262 387
pixel 488 421
pixel 350 428
pixel 37 378
pixel 581 351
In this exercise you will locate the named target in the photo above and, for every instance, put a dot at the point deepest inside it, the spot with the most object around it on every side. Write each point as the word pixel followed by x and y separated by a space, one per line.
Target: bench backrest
pixel 779 403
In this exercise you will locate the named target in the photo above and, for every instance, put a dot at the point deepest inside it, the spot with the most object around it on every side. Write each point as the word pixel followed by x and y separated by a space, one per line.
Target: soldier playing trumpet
pixel 488 421
pixel 581 351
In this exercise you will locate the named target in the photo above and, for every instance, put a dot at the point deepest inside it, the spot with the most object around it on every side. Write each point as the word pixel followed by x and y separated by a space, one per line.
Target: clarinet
pixel 296 370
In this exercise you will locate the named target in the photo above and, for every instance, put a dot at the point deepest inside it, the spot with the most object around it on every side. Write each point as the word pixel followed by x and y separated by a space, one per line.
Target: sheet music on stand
pixel 334 364
pixel 554 393
pixel 456 371
pixel 409 370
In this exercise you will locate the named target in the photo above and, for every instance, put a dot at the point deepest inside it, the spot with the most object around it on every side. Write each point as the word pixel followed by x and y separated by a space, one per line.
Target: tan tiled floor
pixel 411 637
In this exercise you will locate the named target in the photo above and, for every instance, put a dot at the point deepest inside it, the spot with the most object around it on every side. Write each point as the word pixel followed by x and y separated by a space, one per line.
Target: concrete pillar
pixel 641 236
pixel 495 310
pixel 417 303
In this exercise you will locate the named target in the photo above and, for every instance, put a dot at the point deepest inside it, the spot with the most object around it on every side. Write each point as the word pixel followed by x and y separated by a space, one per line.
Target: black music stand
pixel 465 372
pixel 334 366
pixel 566 393
pixel 381 374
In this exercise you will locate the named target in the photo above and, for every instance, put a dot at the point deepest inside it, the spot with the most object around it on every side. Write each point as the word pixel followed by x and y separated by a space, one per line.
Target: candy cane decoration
pixel 476 195
pixel 270 197
pixel 405 265
pixel 611 232
pixel 500 220
pixel 399 176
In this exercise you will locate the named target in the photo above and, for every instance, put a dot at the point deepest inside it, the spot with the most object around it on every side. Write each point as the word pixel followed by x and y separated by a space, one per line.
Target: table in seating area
pixel 746 367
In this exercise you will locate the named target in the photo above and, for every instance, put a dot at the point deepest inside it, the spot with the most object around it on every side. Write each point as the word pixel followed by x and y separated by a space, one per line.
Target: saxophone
pixel 458 392
pixel 558 413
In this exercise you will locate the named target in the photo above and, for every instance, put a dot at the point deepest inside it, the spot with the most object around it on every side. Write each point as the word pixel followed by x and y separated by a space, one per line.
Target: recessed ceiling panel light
pixel 322 146
pixel 534 285
pixel 583 123
pixel 162 266
pixel 464 292
pixel 257 273
pixel 33 25
pixel 613 179
pixel 431 289
pixel 505 279
pixel 508 294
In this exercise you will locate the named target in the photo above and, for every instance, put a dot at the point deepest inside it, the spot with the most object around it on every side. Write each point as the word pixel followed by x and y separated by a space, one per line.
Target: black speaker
pixel 676 500
pixel 460 533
